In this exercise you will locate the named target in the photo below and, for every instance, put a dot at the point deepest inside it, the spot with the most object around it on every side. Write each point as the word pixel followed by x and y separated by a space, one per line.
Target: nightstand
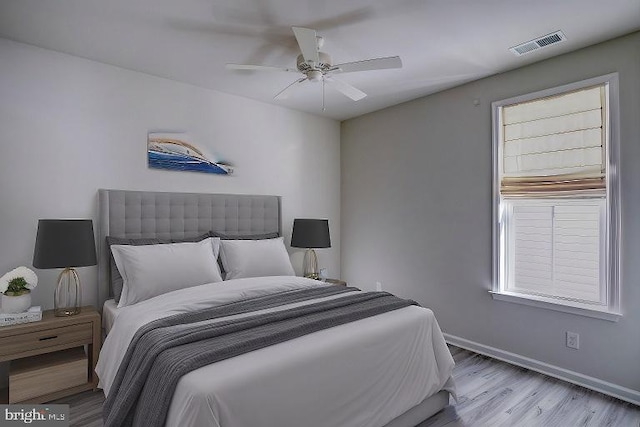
pixel 336 282
pixel 48 359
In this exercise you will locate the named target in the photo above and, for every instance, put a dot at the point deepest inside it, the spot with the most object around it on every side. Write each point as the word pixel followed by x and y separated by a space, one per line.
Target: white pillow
pixel 255 258
pixel 152 270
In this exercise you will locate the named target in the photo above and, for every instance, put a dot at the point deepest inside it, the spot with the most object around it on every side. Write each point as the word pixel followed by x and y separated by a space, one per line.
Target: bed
pixel 391 369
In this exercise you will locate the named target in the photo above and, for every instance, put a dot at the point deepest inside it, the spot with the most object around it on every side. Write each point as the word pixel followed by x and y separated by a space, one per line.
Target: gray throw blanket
pixel 162 351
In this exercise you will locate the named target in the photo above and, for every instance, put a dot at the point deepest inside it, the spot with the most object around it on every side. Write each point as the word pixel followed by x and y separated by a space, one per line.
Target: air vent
pixel 538 43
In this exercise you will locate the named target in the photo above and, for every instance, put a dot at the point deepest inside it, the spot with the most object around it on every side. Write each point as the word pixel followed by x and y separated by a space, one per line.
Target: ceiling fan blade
pixel 308 43
pixel 345 89
pixel 284 93
pixel 369 64
pixel 258 68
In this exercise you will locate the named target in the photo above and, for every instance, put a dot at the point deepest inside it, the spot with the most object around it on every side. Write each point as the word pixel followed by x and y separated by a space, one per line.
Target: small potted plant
pixel 16 287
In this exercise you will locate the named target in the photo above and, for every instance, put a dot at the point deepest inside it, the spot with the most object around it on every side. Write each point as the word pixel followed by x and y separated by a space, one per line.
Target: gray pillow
pixel 116 281
pixel 244 236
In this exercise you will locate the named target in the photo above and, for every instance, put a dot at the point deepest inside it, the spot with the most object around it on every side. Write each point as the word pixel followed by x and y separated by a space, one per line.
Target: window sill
pixel 550 304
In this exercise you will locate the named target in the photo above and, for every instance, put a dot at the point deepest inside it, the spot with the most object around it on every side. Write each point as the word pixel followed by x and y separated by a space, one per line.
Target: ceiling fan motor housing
pixel 323 66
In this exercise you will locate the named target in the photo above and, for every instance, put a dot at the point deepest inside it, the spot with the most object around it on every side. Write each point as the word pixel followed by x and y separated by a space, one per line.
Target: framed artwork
pixel 174 151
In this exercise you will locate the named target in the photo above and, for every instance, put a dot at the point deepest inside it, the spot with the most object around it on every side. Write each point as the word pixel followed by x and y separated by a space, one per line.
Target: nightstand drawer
pixel 80 333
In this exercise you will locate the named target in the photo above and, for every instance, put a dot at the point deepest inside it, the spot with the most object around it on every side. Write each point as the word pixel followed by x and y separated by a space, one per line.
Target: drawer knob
pixel 48 338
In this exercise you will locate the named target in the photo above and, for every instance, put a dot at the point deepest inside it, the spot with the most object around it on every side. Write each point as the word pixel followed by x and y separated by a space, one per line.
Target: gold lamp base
pixel 67 296
pixel 310 265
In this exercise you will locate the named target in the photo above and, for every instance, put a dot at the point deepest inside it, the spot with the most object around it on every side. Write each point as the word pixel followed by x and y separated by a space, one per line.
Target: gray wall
pixel 416 214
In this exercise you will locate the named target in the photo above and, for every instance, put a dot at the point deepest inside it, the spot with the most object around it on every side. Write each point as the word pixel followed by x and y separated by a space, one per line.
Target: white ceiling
pixel 442 43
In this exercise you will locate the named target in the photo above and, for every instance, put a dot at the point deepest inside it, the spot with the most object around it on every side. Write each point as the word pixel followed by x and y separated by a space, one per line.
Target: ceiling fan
pixel 316 66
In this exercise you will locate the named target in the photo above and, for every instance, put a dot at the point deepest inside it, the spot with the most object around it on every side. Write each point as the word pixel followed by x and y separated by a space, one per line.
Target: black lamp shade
pixel 62 243
pixel 310 233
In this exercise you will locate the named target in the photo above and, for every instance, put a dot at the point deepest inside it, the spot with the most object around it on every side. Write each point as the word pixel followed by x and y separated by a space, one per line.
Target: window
pixel 556 207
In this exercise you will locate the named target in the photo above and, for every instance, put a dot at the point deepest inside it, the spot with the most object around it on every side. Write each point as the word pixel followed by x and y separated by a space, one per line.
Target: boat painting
pixel 171 151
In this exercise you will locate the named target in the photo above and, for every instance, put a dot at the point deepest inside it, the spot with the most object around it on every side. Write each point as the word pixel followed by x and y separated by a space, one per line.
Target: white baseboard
pixel 619 392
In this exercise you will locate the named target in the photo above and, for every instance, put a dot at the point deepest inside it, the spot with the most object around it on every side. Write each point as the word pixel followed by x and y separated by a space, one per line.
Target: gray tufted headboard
pixel 134 214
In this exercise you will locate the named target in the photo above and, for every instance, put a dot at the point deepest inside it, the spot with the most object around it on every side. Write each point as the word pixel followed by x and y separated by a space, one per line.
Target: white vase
pixel 17 304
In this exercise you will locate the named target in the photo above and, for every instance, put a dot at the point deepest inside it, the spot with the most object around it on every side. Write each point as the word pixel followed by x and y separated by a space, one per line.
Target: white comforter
pixel 364 373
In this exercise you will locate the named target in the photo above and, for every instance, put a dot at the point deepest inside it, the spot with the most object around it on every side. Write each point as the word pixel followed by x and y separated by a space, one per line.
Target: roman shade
pixel 555 145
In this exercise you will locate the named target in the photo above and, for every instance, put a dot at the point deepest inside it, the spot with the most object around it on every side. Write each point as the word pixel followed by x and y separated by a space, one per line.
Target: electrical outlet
pixel 573 340
pixel 378 286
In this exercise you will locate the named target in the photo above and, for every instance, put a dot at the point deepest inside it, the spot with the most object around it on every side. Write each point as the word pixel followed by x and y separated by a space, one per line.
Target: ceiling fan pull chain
pixel 323 109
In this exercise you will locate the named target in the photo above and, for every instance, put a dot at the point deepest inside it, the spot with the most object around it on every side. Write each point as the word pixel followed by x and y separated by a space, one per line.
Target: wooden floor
pixel 490 394
pixel 494 394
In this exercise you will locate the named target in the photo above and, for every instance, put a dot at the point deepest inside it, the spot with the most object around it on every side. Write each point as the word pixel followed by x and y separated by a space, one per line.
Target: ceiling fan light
pixel 314 75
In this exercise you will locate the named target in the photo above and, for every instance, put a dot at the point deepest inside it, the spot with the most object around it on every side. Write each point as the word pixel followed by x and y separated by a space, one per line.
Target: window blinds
pixel 554 145
pixel 556 250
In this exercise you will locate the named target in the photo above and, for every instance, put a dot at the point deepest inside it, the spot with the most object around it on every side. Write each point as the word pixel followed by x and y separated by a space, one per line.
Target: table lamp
pixel 65 243
pixel 309 234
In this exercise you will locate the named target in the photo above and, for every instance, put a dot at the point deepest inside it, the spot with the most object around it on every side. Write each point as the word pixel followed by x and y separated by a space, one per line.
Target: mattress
pixel 364 373
pixel 109 313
